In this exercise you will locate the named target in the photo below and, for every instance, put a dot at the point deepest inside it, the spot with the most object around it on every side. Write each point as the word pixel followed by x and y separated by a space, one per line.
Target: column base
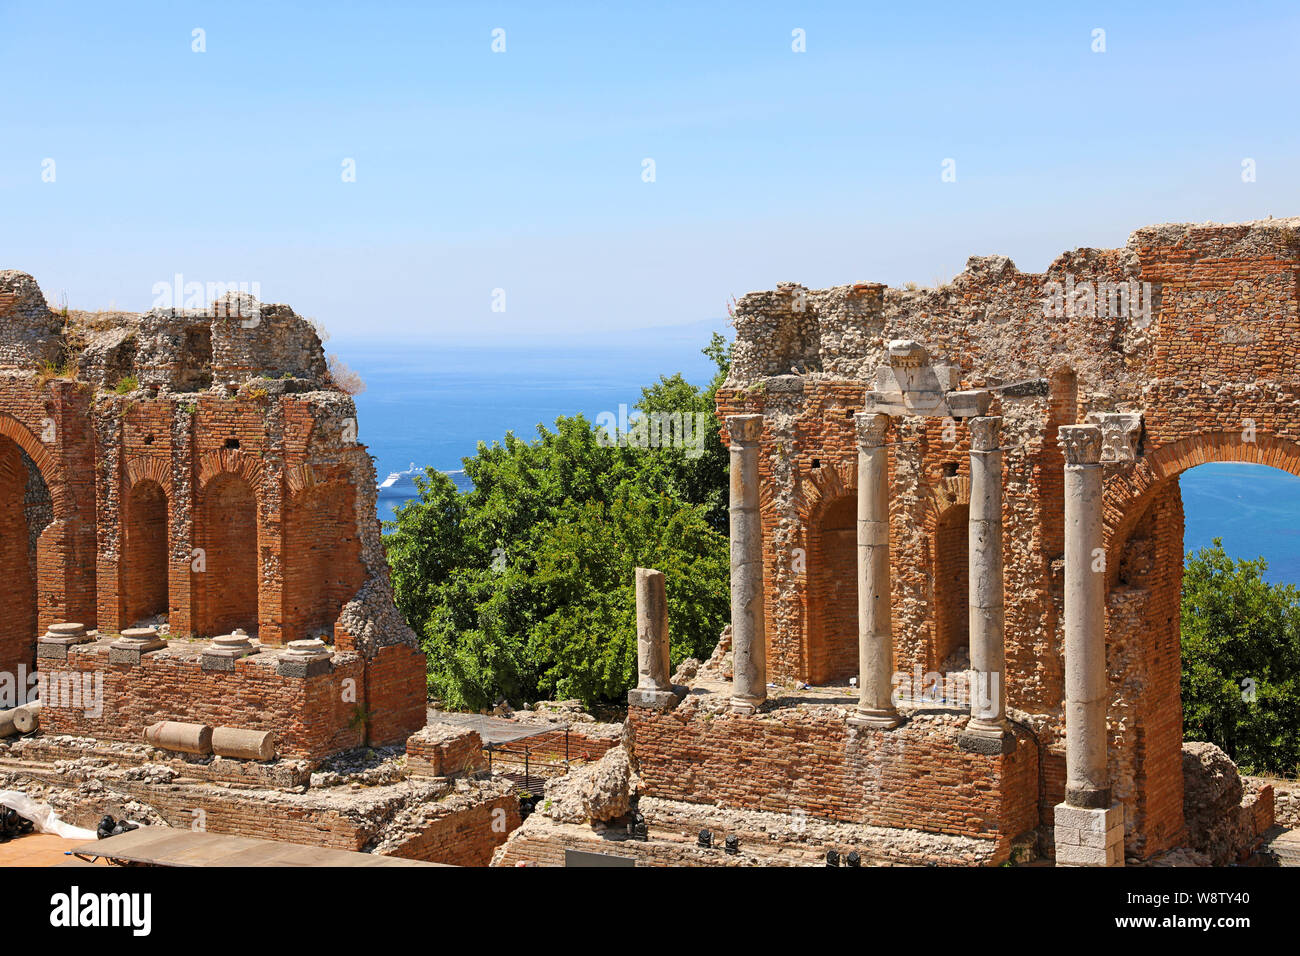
pixel 746 705
pixel 875 719
pixel 1090 798
pixel 1089 836
pixel 983 737
pixel 652 699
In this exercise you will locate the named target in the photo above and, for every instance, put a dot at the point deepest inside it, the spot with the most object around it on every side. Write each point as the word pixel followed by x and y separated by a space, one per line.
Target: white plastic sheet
pixel 43 817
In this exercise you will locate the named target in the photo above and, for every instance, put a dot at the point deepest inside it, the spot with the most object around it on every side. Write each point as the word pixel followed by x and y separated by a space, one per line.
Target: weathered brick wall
pixel 466 837
pixel 811 760
pixel 765 839
pixel 551 747
pixel 227 490
pixel 1215 373
pixel 396 693
pixel 144 580
pixel 310 716
pixel 444 750
pixel 17 588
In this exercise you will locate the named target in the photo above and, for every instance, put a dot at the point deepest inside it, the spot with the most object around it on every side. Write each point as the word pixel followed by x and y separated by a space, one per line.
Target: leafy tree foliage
pixel 1241 661
pixel 523 587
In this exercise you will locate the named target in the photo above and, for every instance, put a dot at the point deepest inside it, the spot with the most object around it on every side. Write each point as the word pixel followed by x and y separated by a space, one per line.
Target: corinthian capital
pixel 871 428
pixel 743 429
pixel 985 433
pixel 1081 444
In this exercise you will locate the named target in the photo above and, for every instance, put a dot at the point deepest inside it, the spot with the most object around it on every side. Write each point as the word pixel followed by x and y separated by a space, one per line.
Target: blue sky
pixel 522 170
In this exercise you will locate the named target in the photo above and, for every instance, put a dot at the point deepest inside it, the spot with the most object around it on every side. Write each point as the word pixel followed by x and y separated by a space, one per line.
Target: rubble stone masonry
pixel 1207 359
pixel 198 469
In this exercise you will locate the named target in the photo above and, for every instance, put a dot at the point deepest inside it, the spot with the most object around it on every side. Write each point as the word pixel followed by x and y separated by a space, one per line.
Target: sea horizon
pixel 429 405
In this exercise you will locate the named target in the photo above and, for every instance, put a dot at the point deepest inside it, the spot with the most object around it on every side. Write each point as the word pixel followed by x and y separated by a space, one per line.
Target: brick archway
pixel 1144 570
pixel 32 506
pixel 1127 496
pixel 947 513
pixel 46 463
pixel 18 623
pixel 145 550
pixel 226 528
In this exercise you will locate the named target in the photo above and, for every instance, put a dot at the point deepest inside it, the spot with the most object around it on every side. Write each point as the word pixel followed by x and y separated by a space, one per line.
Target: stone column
pixel 653 684
pixel 748 633
pixel 875 628
pixel 988 730
pixel 1089 830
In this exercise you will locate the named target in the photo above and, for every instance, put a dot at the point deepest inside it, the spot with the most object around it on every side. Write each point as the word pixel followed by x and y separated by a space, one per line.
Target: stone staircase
pixel 1282 846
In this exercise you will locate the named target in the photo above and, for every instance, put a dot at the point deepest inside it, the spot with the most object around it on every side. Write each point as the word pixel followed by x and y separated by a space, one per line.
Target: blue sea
pixel 427 405
pixel 1253 508
pixel 431 405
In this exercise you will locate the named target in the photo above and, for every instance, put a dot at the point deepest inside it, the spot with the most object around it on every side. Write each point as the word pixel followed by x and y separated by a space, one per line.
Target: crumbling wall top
pixel 181 350
pixel 1094 311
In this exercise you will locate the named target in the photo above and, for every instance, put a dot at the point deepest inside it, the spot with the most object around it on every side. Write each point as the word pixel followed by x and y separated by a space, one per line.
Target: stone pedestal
pixel 305 658
pixel 222 653
pixel 988 730
pixel 875 626
pixel 653 684
pixel 132 643
pixel 748 631
pixel 1087 783
pixel 54 643
pixel 1089 836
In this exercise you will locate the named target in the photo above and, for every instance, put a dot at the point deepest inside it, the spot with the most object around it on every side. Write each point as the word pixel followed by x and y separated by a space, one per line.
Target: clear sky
pixel 523 170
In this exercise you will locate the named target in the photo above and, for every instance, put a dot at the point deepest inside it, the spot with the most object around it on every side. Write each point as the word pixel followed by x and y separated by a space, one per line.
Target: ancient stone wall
pixel 809 761
pixel 199 470
pixel 1204 348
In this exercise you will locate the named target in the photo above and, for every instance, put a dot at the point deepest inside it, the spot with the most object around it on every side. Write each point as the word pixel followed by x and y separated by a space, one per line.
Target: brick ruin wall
pixel 810 761
pixel 197 467
pixel 1215 373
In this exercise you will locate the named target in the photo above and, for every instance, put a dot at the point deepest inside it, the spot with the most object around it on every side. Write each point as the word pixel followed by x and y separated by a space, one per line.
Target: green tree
pixel 523 587
pixel 1241 661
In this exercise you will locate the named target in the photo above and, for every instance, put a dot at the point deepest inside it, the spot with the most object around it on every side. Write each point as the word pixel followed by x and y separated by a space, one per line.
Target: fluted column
pixel 748 633
pixel 875 628
pixel 987 730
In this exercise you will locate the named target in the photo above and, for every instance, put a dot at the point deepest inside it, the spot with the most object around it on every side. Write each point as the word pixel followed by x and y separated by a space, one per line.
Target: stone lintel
pixel 928 404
